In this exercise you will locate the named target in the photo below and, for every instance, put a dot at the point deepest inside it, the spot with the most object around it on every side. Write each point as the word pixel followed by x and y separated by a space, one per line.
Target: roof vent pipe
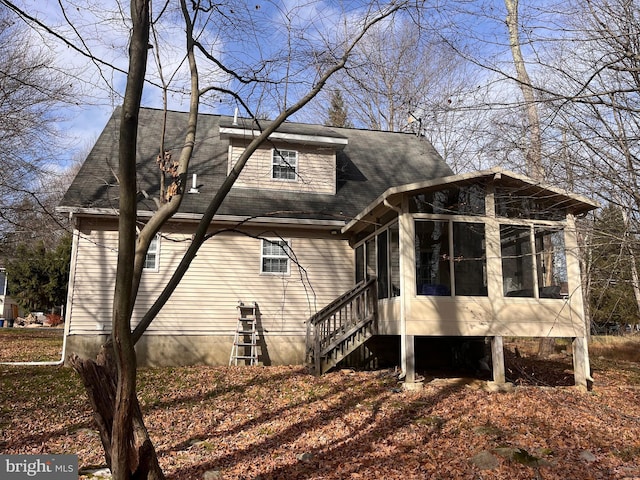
pixel 235 116
pixel 194 184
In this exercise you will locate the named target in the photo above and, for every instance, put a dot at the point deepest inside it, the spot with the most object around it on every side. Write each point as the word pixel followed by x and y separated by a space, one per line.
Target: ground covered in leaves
pixel 283 423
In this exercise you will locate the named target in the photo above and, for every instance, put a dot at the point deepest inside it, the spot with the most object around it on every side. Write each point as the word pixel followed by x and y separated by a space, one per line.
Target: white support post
pixel 408 358
pixel 581 365
pixel 497 357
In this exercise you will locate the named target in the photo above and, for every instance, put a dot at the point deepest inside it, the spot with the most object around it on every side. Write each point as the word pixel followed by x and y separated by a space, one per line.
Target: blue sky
pixel 101 28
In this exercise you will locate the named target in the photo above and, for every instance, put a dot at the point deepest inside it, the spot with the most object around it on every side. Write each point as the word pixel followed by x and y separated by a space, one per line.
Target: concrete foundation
pixel 166 350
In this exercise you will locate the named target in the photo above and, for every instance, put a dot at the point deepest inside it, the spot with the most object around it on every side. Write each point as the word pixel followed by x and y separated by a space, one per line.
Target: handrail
pixel 342 300
pixel 355 308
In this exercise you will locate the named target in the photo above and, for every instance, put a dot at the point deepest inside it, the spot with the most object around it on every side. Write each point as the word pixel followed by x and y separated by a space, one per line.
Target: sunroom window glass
pixel 517 261
pixel 455 200
pixel 514 203
pixel 370 246
pixel 383 270
pixel 394 260
pixel 284 164
pixel 469 261
pixel 275 258
pixel 432 258
pixel 152 257
pixel 360 266
pixel 551 262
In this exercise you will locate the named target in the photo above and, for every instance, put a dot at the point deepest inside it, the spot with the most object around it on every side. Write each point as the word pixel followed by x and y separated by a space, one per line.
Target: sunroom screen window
pixel 551 262
pixel 432 258
pixel 469 260
pixel 517 261
pixel 462 200
pixel 370 246
pixel 360 266
pixel 383 265
pixel 394 260
pixel 379 257
pixel 515 203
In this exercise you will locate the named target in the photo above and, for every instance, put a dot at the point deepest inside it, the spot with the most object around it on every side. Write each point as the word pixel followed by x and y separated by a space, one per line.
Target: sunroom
pixel 486 255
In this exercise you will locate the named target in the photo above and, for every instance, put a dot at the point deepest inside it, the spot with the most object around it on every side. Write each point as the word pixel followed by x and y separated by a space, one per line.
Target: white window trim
pixel 156 266
pixel 274 152
pixel 263 256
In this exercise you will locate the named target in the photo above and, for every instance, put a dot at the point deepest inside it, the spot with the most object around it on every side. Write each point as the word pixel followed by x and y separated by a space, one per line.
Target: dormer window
pixel 284 165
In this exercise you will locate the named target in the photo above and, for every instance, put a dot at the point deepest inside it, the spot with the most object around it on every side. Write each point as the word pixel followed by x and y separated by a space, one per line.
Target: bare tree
pixel 111 379
pixel 534 148
pixel 31 89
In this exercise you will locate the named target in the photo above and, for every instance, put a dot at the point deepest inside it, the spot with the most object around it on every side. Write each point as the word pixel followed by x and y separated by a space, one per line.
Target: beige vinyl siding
pixel 316 169
pixel 226 270
pixel 91 299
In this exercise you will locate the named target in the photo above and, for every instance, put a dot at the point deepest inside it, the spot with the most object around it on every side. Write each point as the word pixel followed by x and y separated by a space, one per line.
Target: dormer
pixel 296 158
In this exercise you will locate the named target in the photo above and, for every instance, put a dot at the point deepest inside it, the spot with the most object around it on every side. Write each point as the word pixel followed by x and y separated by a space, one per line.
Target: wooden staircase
pixel 342 326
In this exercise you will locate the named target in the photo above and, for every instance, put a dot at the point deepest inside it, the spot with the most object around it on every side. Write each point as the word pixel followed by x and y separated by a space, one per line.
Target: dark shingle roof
pixel 371 162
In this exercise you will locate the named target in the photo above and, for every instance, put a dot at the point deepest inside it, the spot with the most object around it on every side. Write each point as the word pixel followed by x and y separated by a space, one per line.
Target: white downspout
pixel 52 363
pixel 67 313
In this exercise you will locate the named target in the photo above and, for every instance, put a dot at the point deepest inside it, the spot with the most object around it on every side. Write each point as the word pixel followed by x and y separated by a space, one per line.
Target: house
pixel 350 242
pixel 9 309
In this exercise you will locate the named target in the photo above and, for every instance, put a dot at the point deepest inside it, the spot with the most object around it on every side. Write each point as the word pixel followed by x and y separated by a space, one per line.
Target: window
pixel 455 200
pixel 523 272
pixel 432 258
pixel 382 267
pixel 360 267
pixel 469 259
pixel 379 257
pixel 517 261
pixel 551 262
pixel 151 261
pixel 284 164
pixel 275 256
pixel 439 272
pixel 370 260
pixel 394 259
pixel 517 204
pixel 3 282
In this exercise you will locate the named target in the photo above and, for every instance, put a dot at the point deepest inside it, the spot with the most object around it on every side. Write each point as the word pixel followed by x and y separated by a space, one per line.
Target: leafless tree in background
pixel 31 179
pixel 111 379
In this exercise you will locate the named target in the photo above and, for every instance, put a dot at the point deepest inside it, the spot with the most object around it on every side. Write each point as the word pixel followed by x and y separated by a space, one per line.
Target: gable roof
pixel 571 202
pixel 368 163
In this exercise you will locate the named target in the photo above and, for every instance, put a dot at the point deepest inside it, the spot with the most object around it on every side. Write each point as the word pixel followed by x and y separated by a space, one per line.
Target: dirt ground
pixel 284 423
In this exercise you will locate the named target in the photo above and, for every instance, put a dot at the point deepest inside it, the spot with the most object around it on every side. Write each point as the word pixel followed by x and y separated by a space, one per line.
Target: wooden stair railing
pixel 342 326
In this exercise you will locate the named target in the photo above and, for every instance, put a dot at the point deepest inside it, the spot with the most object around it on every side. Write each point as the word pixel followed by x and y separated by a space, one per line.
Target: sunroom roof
pixel 574 203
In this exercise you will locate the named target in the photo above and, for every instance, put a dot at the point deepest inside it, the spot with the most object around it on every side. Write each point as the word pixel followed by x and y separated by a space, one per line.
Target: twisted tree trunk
pixel 100 379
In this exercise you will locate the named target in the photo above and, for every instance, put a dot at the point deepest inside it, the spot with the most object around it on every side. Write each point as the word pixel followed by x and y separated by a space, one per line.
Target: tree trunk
pixel 99 378
pixel 534 150
pixel 533 154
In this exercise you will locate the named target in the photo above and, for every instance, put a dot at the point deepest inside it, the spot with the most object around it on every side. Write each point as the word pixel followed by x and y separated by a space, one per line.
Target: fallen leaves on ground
pixel 284 423
pixel 40 344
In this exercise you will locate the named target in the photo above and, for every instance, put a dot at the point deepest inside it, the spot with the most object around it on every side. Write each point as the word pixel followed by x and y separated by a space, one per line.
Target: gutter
pixel 219 219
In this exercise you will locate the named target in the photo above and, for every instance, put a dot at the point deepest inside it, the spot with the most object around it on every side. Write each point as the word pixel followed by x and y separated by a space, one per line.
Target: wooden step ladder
pixel 245 341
